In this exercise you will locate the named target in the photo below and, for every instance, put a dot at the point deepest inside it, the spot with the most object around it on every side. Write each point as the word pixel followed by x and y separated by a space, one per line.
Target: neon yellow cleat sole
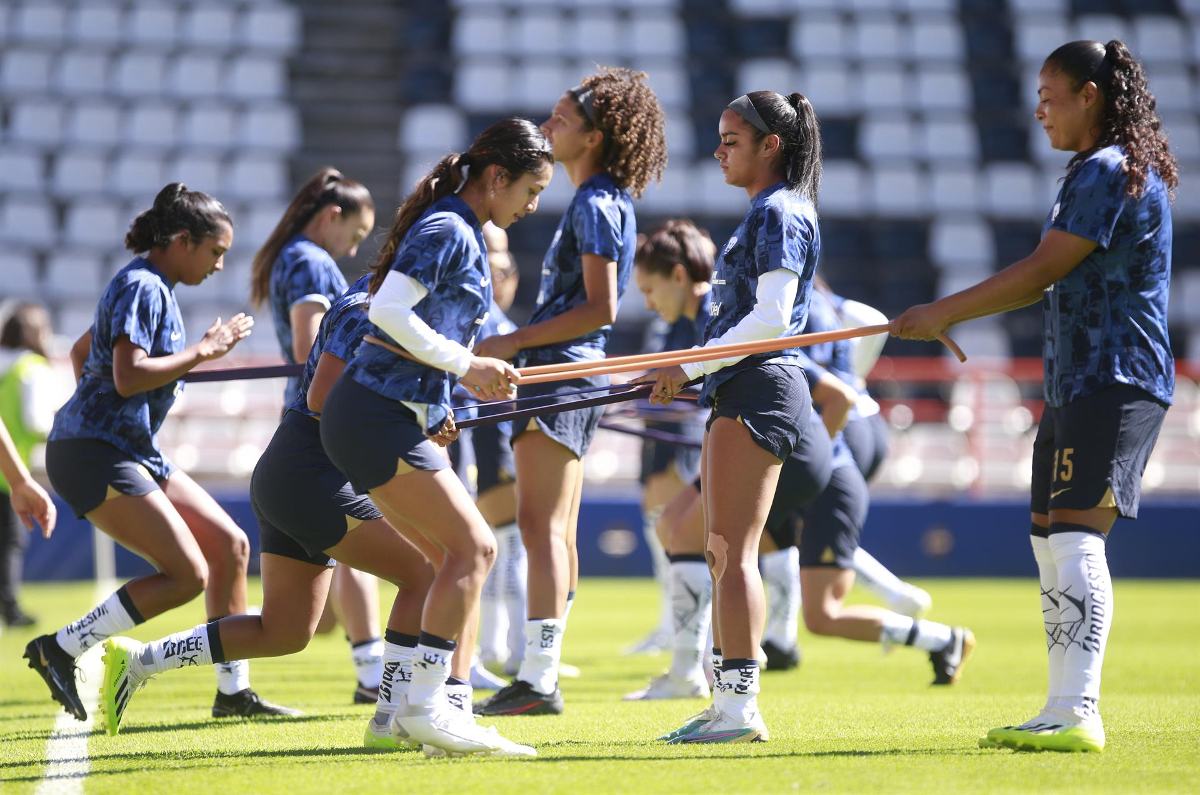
pixel 117 685
pixel 385 741
pixel 1072 739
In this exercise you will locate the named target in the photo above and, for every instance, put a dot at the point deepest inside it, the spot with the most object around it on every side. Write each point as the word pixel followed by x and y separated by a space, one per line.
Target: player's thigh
pixel 435 504
pixel 547 474
pixel 823 589
pixel 374 546
pixel 150 526
pixel 214 529
pixel 739 484
pixel 294 594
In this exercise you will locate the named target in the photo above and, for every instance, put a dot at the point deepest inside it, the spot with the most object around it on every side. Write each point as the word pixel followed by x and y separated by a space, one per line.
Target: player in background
pixel 1102 272
pixel 608 134
pixel 297 273
pixel 103 456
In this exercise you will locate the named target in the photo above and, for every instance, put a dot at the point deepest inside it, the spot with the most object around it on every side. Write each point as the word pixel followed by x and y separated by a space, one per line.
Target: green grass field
pixel 849 720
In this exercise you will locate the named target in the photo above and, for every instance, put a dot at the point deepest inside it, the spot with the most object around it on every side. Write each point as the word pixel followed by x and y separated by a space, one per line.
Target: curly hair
pixel 678 241
pixel 1128 117
pixel 626 110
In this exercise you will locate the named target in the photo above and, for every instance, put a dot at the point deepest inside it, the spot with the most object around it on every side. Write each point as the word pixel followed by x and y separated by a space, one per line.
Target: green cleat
pixel 693 723
pixel 1084 737
pixel 381 738
pixel 118 683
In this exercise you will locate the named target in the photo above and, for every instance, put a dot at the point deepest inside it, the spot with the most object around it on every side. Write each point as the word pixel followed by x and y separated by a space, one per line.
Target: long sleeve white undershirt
pixel 391 310
pixel 773 301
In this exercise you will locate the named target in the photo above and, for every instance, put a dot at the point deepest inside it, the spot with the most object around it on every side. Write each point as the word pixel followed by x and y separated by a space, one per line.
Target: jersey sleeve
pixel 348 325
pixel 596 221
pixel 1092 199
pixel 782 241
pixel 433 249
pixel 312 279
pixel 137 314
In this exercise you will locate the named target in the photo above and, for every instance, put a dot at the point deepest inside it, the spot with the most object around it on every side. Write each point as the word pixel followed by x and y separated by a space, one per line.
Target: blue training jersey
pixel 445 252
pixel 303 271
pixel 139 303
pixel 599 220
pixel 779 231
pixel 1105 322
pixel 341 330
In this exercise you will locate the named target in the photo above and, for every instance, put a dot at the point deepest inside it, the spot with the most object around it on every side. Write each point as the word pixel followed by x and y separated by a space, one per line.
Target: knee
pixel 190 580
pixel 818 619
pixel 288 637
pixel 234 554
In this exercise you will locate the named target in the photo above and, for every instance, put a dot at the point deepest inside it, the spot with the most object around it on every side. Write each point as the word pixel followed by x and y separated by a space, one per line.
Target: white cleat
pixel 913 602
pixel 727 729
pixel 658 641
pixel 443 727
pixel 668 686
pixel 385 737
pixel 460 704
pixel 483 679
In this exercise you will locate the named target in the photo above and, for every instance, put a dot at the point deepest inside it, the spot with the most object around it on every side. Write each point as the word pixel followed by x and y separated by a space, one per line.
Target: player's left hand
pixel 921 322
pixel 31 503
pixel 447 434
pixel 667 384
pixel 501 346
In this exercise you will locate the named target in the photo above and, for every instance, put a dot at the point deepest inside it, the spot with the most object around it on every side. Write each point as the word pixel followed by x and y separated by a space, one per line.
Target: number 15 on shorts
pixel 1064 467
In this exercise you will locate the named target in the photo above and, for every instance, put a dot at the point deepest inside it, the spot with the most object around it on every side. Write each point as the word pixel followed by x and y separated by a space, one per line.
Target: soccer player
pixel 296 271
pixel 103 456
pixel 430 292
pixel 770 147
pixel 608 134
pixel 1102 271
pixel 309 517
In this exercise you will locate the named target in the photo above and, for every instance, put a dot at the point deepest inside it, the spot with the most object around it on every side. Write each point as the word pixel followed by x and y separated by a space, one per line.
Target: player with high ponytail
pixel 1102 272
pixel 103 456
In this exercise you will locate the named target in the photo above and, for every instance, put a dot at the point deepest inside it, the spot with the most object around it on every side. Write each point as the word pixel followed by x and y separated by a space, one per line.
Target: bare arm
pixel 29 500
pixel 306 321
pixel 835 398
pixel 79 353
pixel 1018 285
pixel 599 309
pixel 329 367
pixel 135 371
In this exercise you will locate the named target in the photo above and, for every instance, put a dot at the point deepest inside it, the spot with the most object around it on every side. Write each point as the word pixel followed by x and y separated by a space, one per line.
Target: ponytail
pixel 328 186
pixel 793 119
pixel 515 145
pixel 176 209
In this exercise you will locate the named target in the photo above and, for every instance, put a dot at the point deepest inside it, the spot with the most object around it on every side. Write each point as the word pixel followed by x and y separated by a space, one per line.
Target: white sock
pixel 717 660
pixel 493 618
pixel 233 676
pixel 1048 583
pixel 460 694
pixel 114 615
pixel 901 630
pixel 567 609
pixel 691 595
pixel 736 692
pixel 431 667
pixel 516 570
pixel 397 675
pixel 662 568
pixel 781 577
pixel 878 579
pixel 1085 614
pixel 368 661
pixel 181 650
pixel 543 650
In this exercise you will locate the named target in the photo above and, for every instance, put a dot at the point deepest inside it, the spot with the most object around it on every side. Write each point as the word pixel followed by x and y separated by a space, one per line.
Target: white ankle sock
pixel 901 630
pixel 460 695
pixel 368 661
pixel 114 615
pixel 781 578
pixel 431 667
pixel 396 678
pixel 691 595
pixel 181 650
pixel 543 650
pixel 1048 584
pixel 737 691
pixel 1085 607
pixel 233 676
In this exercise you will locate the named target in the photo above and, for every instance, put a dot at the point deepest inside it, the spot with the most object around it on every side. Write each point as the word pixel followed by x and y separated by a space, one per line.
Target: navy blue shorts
pixel 772 401
pixel 802 478
pixel 833 522
pixel 494 464
pixel 867 438
pixel 1091 453
pixel 86 472
pixel 367 436
pixel 300 498
pixel 572 429
pixel 659 456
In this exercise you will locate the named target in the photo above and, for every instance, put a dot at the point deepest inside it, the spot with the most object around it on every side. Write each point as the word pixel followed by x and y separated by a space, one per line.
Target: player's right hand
pixel 222 337
pixel 490 379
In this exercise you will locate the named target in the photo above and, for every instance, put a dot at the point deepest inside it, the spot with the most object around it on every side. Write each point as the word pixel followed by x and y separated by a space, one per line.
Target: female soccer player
pixel 430 293
pixel 608 134
pixel 770 146
pixel 103 456
pixel 1102 270
pixel 296 270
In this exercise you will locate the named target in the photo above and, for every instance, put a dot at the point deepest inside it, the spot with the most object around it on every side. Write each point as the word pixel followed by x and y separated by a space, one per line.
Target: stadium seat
pixel 250 177
pixel 97 123
pixel 74 318
pixel 537 84
pixel 888 137
pixel 152 24
pixel 673 195
pixel 74 274
pixel 432 128
pixel 25 72
pixel 885 86
pixel 962 243
pixel 1037 37
pixel 40 22
pixel 669 81
pixel 898 190
pixel 137 175
pixel 761 73
pixel 879 37
pixel 77 173
pixel 953 138
pixel 269 27
pixel 273 127
pixel 199 171
pixel 21 170
pixel 97 23
pixel 256 77
pixel 937 38
pixel 26 219
pixel 93 222
pixel 1172 86
pixel 655 33
pixel 819 36
pixel 20 274
pixel 208 125
pixel 597 32
pixel 941 87
pixel 1159 39
pixel 842 188
pixel 681 141
pixel 483 85
pixel 484 31
pixel 152 124
pixel 1011 191
pixel 1101 27
pixel 82 74
pixel 194 75
pixel 207 26
pixel 537 32
pixel 139 74
pixel 954 188
pixel 833 88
